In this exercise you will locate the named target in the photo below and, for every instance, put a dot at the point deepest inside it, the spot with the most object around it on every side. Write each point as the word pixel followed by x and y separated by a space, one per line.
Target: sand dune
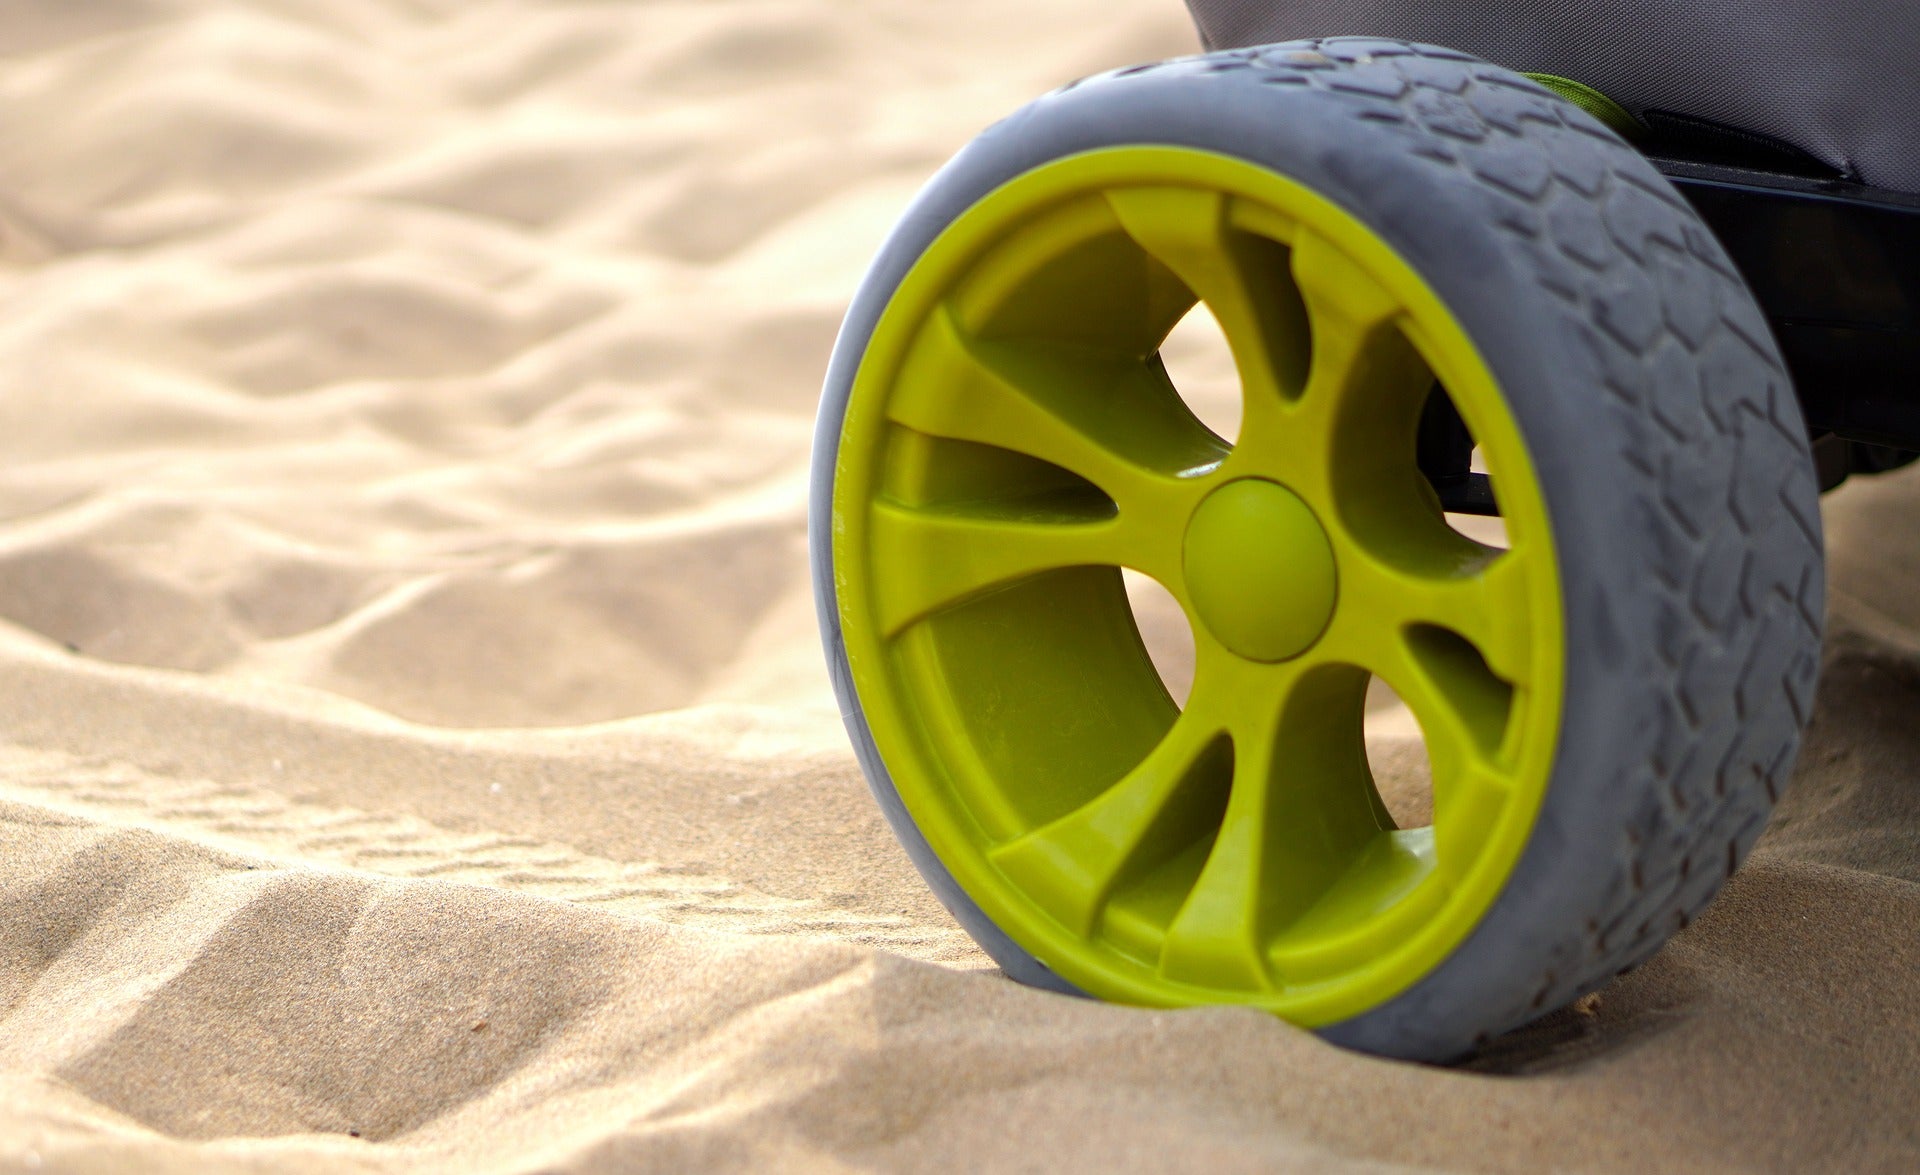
pixel 416 752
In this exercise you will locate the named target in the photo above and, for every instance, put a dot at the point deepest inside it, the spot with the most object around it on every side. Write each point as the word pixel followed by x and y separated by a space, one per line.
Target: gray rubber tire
pixel 1668 445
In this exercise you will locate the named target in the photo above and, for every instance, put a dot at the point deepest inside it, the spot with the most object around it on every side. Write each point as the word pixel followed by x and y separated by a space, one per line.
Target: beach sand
pixel 415 752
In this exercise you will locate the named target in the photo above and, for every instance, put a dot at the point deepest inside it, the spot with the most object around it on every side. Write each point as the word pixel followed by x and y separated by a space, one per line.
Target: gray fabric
pixel 1839 79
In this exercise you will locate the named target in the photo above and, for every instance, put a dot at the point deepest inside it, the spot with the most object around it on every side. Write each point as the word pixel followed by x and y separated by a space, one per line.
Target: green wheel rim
pixel 1011 441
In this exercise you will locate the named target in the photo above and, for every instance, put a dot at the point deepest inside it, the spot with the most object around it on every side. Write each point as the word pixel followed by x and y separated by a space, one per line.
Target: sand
pixel 414 750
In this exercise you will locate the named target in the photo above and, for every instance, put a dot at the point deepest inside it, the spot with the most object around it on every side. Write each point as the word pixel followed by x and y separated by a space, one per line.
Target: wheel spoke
pixel 1111 419
pixel 936 557
pixel 1241 276
pixel 1365 374
pixel 1462 717
pixel 1449 628
pixel 1170 800
pixel 1464 710
pixel 1346 312
pixel 1479 596
pixel 1299 811
pixel 1461 705
pixel 1489 607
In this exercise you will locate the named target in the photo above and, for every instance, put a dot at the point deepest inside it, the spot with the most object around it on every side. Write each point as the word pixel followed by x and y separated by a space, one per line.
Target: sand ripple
pixel 414 752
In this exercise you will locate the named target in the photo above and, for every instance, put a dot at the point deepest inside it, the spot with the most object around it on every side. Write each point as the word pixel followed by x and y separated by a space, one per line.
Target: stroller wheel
pixel 1414 257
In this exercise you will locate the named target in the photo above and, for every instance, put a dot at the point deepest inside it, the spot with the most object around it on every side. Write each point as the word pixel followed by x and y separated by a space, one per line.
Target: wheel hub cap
pixel 1260 570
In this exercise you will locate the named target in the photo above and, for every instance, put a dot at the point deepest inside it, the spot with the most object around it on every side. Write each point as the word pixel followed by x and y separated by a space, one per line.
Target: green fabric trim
pixel 1595 103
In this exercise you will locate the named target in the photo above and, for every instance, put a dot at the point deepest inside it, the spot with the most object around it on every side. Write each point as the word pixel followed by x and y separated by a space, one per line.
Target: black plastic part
pixel 1837 458
pixel 1682 136
pixel 1836 267
pixel 1443 449
pixel 1467 493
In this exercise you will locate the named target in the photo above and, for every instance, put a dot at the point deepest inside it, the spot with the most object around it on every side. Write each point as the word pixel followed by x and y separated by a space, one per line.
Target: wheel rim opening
pixel 1200 366
pixel 1455 465
pixel 1164 631
pixel 1397 758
